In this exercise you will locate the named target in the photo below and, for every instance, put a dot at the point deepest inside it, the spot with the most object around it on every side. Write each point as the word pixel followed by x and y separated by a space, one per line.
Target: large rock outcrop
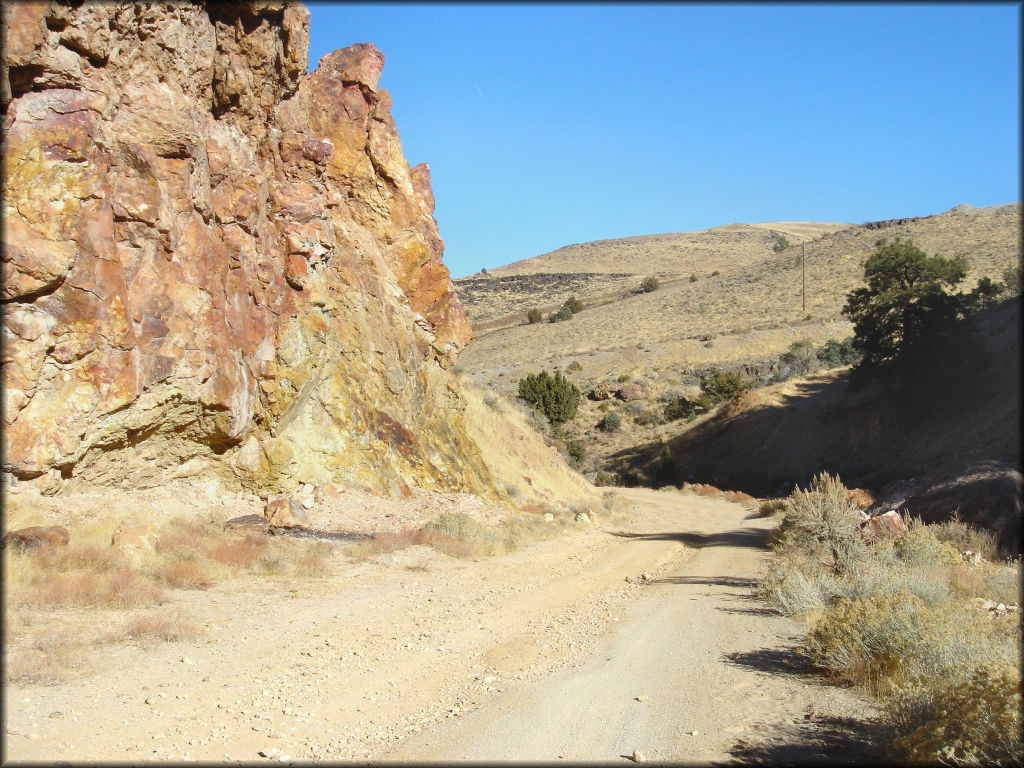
pixel 214 262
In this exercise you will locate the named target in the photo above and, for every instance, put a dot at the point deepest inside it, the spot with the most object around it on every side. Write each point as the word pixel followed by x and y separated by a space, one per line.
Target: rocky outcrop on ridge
pixel 216 263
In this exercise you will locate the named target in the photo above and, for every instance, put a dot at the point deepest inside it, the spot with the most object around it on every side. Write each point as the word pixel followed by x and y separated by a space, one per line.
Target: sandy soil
pixel 561 649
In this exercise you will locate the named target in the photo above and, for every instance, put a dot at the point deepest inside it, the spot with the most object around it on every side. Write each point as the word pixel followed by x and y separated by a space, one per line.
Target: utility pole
pixel 803 274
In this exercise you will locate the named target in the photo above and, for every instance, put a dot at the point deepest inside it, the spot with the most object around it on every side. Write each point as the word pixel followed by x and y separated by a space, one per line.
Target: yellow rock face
pixel 209 254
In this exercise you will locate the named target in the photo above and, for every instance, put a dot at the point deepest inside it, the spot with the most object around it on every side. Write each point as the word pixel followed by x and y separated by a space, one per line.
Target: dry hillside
pixel 743 318
pixel 744 304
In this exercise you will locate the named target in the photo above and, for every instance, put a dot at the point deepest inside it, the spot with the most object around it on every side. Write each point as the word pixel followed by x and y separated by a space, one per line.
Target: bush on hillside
pixel 780 244
pixel 906 302
pixel 576 451
pixel 894 620
pixel 612 422
pixel 719 385
pixel 799 360
pixel 650 284
pixel 685 408
pixel 574 305
pixel 1012 280
pixel 563 314
pixel 555 396
pixel 534 316
pixel 836 354
pixel 986 292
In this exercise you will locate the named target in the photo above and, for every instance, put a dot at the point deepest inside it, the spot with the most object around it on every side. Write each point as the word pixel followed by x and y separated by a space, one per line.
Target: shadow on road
pixel 778 661
pixel 816 741
pixel 716 581
pixel 756 538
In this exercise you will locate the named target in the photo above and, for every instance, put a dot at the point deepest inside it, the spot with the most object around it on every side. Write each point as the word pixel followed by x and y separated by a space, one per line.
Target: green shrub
pixel 576 450
pixel 623 378
pixel 685 408
pixel 799 360
pixel 906 308
pixel 780 243
pixel 836 354
pixel 650 284
pixel 612 422
pixel 921 547
pixel 563 314
pixel 986 292
pixel 574 305
pixel 1012 280
pixel 555 396
pixel 693 278
pixel 719 385
pixel 534 316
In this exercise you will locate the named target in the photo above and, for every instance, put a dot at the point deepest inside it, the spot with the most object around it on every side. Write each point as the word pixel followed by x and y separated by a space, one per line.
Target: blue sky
pixel 546 125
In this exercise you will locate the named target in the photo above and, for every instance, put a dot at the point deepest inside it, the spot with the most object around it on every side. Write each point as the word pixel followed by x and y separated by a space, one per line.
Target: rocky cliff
pixel 216 263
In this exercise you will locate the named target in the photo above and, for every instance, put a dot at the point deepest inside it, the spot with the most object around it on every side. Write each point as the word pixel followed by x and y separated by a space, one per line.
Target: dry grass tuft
pixel 313 560
pixel 703 489
pixel 410 537
pixel 238 553
pixel 188 572
pixel 739 497
pixel 50 660
pixel 169 626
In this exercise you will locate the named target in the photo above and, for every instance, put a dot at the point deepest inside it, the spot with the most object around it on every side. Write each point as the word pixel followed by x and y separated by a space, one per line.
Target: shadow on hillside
pixel 763 451
pixel 924 446
pixel 755 538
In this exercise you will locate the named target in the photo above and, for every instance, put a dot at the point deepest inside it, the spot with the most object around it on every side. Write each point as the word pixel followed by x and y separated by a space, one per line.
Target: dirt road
pixel 547 653
pixel 696 663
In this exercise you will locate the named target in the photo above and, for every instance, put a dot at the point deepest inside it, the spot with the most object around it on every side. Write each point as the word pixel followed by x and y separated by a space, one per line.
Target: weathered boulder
pixel 888 525
pixel 37 536
pixel 604 390
pixel 631 391
pixel 286 513
pixel 212 256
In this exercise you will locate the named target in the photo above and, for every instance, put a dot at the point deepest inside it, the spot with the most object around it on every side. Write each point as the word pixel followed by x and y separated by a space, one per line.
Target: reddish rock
pixel 37 536
pixel 296 271
pixel 286 513
pixel 604 390
pixel 631 391
pixel 171 176
pixel 889 525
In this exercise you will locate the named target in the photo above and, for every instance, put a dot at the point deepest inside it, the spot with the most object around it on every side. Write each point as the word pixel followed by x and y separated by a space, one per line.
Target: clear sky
pixel 546 125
